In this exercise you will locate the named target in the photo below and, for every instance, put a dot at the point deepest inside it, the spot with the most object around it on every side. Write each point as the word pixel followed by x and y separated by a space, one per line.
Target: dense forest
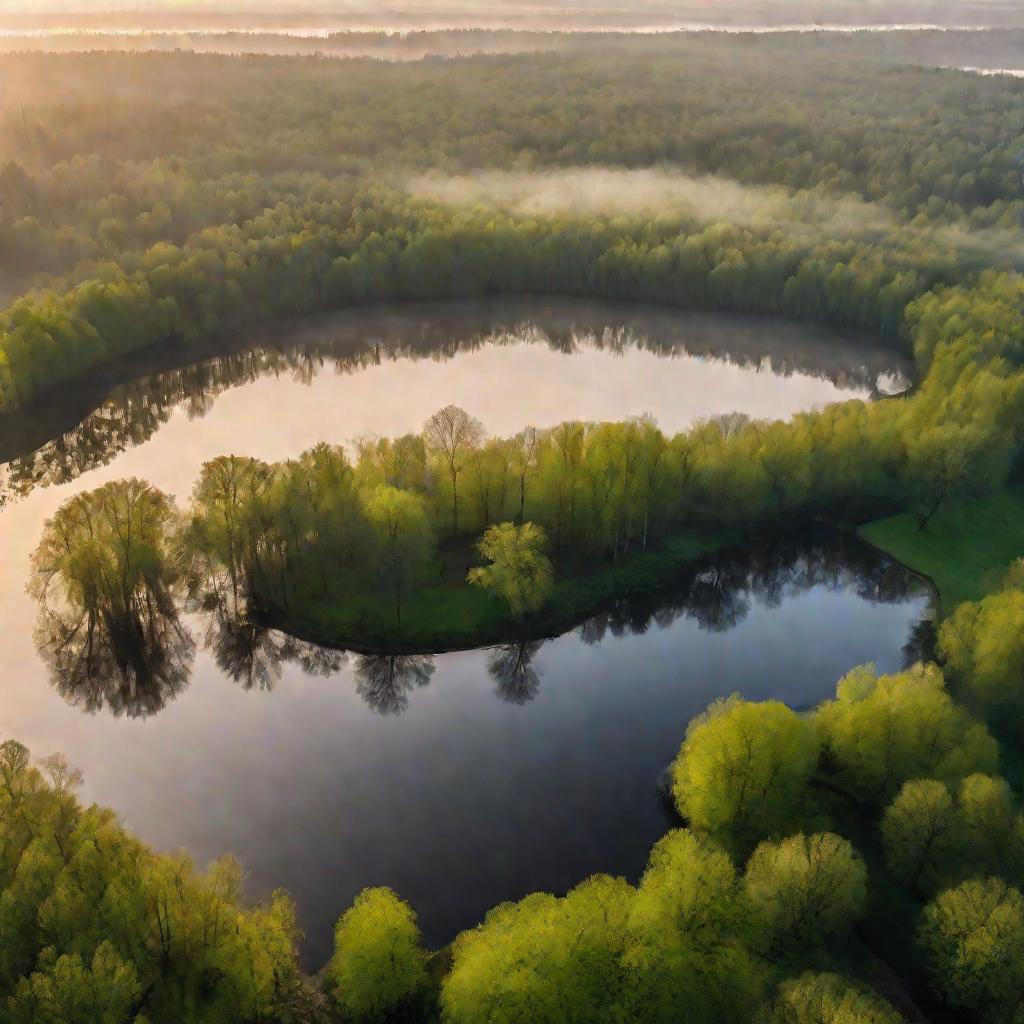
pixel 154 207
pixel 173 199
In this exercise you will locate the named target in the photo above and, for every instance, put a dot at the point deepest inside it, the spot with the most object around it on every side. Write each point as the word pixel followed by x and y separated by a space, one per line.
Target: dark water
pixel 463 779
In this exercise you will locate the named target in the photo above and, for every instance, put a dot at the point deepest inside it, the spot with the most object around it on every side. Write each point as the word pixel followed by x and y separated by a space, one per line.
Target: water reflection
pixel 138 672
pixel 385 681
pixel 718 592
pixel 921 641
pixel 90 425
pixel 130 665
pixel 516 677
pixel 109 591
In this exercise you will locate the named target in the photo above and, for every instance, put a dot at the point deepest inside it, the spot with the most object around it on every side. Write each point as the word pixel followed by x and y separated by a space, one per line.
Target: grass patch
pixel 965 549
pixel 453 616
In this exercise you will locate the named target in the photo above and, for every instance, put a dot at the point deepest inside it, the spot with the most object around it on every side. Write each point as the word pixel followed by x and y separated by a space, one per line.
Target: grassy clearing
pixel 454 616
pixel 965 549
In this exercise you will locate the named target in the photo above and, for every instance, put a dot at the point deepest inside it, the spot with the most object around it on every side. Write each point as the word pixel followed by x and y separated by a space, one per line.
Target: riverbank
pixel 363 336
pixel 455 616
pixel 965 549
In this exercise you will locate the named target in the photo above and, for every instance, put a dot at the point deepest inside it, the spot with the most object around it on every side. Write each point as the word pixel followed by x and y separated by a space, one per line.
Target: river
pixel 467 778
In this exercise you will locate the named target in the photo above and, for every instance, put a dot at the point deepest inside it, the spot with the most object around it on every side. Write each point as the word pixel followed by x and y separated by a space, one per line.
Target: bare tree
pixel 453 435
pixel 525 462
pixel 64 780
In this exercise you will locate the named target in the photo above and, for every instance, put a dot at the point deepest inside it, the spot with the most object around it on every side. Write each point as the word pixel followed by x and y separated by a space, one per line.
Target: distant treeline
pixel 953 47
pixel 797 111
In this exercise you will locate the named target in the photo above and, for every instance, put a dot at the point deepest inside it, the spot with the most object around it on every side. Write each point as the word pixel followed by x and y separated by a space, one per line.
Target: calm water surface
pixel 463 779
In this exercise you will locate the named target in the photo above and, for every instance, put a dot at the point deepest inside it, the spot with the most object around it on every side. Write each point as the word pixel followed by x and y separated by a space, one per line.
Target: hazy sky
pixel 866 10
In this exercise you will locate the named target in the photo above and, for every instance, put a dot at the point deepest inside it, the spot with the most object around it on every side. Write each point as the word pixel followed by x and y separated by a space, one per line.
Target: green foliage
pixel 932 840
pixel 882 731
pixel 950 316
pixel 107 577
pixel 922 834
pixel 687 933
pixel 804 890
pixel 983 647
pixel 828 999
pixel 519 571
pixel 993 828
pixel 973 937
pixel 743 769
pixel 543 959
pixel 107 550
pixel 399 524
pixel 98 929
pixel 378 971
pixel 63 990
pixel 608 952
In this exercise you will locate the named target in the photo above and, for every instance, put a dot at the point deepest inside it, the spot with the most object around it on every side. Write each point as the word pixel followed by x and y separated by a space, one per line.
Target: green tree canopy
pixel 99 929
pixel 742 771
pixel 378 971
pixel 922 832
pixel 983 644
pixel 881 731
pixel 544 959
pixel 107 550
pixel 829 999
pixel 108 578
pixel 993 827
pixel 973 939
pixel 804 889
pixel 519 572
pixel 686 933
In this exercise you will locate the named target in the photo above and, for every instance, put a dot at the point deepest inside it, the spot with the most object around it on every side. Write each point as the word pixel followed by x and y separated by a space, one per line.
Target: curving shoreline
pixel 346 336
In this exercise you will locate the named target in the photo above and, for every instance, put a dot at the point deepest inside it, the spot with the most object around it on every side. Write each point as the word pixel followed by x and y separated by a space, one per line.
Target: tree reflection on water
pixel 139 670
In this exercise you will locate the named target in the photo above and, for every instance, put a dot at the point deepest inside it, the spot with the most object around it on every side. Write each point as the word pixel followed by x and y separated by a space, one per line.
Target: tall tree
pixel 405 541
pixel 453 435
